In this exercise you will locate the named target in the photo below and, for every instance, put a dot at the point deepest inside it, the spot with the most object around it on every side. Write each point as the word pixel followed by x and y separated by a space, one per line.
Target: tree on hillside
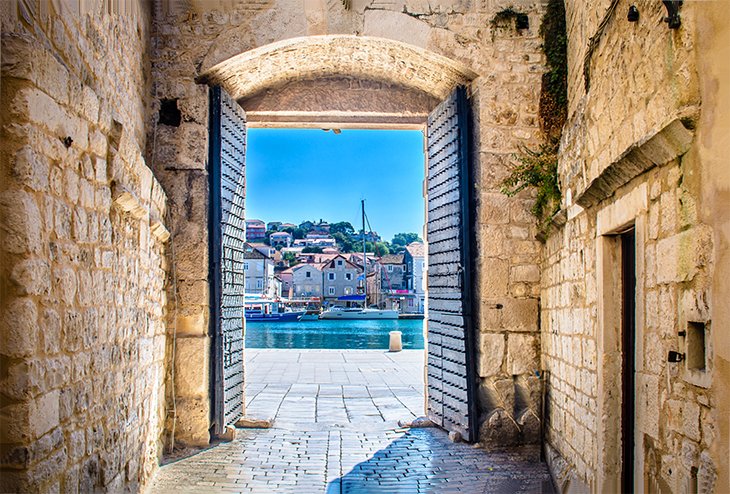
pixel 298 233
pixel 312 250
pixel 291 257
pixel 404 239
pixel 344 242
pixel 379 248
pixel 343 227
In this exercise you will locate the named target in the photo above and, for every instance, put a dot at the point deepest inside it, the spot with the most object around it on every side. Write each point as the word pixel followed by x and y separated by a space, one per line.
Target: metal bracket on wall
pixel 673 18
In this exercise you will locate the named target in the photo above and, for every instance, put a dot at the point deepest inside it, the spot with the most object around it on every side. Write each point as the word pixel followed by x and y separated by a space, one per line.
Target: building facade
pixel 259 273
pixel 415 281
pixel 340 278
pixel 255 230
pixel 307 280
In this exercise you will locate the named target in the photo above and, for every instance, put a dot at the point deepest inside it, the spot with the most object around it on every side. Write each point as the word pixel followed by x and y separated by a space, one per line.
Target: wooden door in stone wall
pixel 451 348
pixel 226 226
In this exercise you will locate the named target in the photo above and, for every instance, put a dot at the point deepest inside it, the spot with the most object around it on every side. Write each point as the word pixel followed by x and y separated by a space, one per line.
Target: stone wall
pixel 629 157
pixel 431 43
pixel 83 263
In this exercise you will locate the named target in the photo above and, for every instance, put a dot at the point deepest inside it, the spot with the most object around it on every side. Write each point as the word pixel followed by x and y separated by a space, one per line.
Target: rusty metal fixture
pixel 673 18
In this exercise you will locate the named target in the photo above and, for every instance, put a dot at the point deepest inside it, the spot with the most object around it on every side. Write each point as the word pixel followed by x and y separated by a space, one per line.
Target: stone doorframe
pixel 395 88
pixel 625 212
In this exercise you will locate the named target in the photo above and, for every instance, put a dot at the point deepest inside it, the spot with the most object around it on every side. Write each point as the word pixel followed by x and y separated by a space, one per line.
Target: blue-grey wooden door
pixel 226 227
pixel 451 380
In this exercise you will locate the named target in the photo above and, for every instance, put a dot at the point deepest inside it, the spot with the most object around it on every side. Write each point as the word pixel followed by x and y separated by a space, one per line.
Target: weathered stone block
pixel 21 223
pixel 493 208
pixel 522 353
pixel 19 333
pixel 192 320
pixel 525 273
pixel 494 277
pixel 31 169
pixel 32 277
pixel 520 314
pixel 682 255
pixel 193 422
pixel 191 357
pixel 498 429
pixel 491 353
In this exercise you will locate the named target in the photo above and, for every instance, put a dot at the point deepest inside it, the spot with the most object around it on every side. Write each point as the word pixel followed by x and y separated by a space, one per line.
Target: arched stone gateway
pixel 104 203
pixel 379 67
pixel 397 67
pixel 341 80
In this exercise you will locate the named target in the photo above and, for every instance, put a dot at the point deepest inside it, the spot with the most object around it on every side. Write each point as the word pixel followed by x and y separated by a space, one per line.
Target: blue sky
pixel 294 175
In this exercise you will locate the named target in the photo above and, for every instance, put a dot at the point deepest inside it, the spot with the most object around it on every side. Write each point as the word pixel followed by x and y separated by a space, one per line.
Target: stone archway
pixel 276 55
pixel 337 80
pixel 387 66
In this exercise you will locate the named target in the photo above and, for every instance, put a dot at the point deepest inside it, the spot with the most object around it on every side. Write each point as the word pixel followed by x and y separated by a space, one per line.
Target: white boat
pixel 338 312
pixel 310 315
pixel 358 313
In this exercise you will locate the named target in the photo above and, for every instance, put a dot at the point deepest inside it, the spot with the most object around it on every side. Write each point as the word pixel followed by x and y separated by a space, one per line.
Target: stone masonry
pixel 83 265
pixel 104 320
pixel 419 51
pixel 630 157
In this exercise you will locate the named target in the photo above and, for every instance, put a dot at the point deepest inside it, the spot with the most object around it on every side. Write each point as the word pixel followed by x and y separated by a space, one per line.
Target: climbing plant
pixel 554 94
pixel 537 169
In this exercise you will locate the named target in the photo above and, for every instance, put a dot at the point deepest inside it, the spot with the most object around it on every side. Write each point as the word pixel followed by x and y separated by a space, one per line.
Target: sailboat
pixel 360 312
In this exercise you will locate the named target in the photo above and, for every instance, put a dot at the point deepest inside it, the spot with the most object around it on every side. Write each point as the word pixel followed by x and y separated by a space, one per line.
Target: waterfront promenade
pixel 336 431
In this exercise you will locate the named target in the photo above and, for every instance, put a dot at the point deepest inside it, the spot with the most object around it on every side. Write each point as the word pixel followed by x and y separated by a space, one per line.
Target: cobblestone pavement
pixel 336 431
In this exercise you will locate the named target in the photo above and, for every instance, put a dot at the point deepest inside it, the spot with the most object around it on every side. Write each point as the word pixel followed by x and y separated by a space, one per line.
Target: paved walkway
pixel 336 431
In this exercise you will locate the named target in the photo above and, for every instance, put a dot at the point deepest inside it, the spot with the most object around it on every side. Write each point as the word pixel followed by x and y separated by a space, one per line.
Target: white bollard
pixel 396 344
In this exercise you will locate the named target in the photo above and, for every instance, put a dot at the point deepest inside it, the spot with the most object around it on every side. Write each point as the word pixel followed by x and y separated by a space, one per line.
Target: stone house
pixel 390 272
pixel 307 280
pixel 393 277
pixel 340 278
pixel 105 201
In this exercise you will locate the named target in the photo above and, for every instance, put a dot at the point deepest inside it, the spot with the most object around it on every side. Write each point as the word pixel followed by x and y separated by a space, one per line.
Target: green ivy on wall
pixel 538 168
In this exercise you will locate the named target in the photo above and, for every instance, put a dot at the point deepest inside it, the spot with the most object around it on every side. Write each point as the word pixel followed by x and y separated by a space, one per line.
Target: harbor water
pixel 329 334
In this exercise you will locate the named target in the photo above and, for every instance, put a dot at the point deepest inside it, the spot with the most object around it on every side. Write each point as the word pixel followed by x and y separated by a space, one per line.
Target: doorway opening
pixel 382 95
pixel 306 237
pixel 628 358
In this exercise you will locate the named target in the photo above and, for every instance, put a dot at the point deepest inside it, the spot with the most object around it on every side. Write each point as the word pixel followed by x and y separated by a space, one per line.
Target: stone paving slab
pixel 336 431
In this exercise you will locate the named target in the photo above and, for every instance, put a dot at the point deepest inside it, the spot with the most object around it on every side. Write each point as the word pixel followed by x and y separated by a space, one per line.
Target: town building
pixel 320 228
pixel 392 287
pixel 340 278
pixel 369 236
pixel 415 270
pixel 274 226
pixel 307 281
pixel 255 230
pixel 259 273
pixel 281 239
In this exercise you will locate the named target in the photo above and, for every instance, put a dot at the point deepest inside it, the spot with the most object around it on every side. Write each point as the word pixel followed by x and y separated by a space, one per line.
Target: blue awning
pixel 352 298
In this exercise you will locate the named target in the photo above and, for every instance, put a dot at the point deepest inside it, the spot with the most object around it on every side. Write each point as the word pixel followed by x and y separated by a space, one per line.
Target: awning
pixel 352 298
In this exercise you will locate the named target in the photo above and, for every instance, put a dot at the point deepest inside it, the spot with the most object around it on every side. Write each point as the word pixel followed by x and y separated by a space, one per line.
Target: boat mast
pixel 364 259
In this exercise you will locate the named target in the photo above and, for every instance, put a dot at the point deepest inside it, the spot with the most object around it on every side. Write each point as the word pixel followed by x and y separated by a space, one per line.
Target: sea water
pixel 340 335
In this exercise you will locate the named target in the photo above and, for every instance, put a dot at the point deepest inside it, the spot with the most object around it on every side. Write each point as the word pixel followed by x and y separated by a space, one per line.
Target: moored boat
pixel 310 315
pixel 358 313
pixel 270 311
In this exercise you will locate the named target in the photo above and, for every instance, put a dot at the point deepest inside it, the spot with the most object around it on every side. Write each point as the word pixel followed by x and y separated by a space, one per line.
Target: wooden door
pixel 226 227
pixel 451 380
